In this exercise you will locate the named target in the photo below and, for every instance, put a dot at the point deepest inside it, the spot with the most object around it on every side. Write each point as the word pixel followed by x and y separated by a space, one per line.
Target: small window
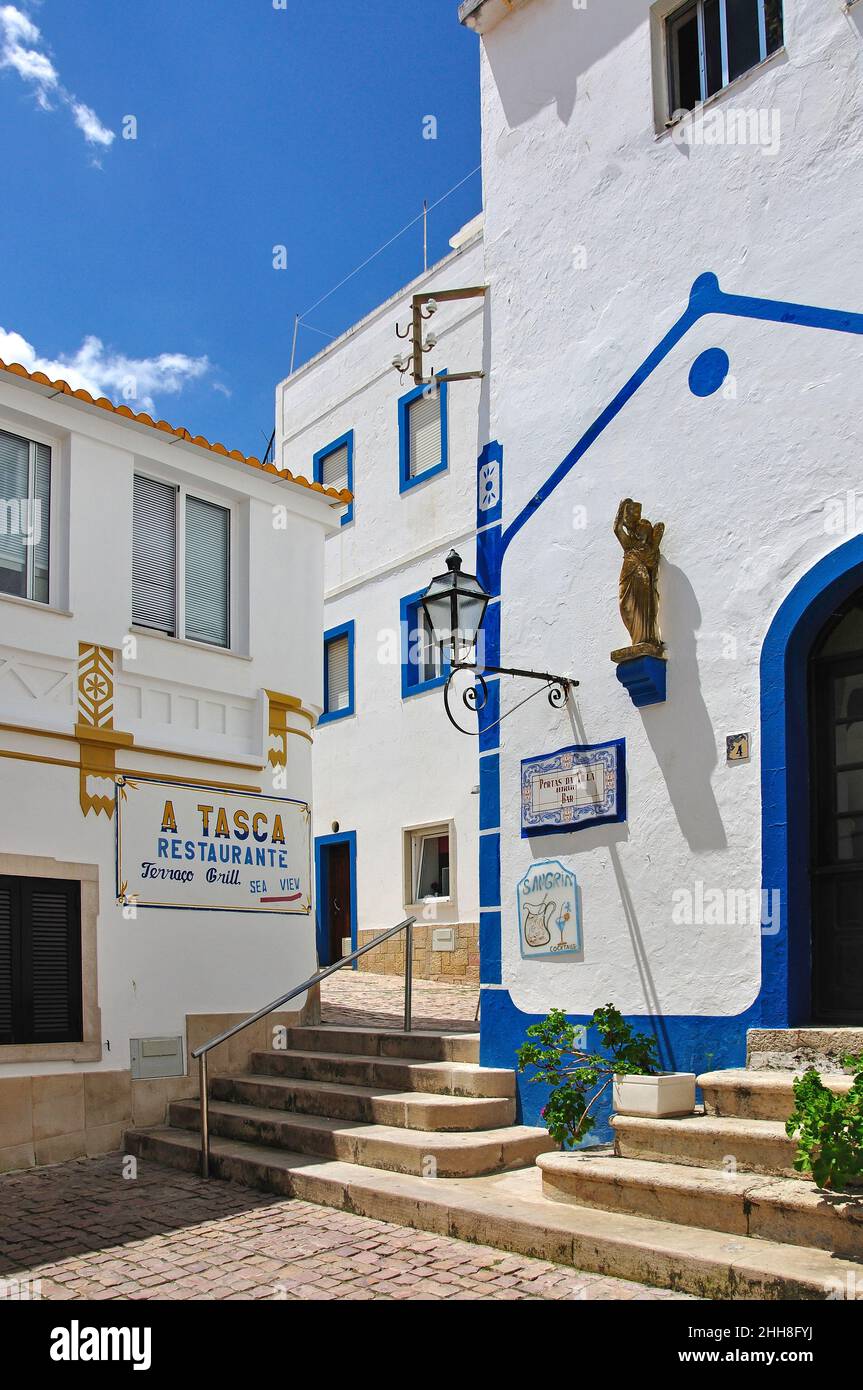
pixel 338 673
pixel 429 854
pixel 712 42
pixel 334 467
pixel 161 514
pixel 423 445
pixel 425 662
pixel 40 960
pixel 25 513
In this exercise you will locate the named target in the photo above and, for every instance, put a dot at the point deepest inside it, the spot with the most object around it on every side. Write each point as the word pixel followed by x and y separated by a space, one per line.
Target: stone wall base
pixel 460 966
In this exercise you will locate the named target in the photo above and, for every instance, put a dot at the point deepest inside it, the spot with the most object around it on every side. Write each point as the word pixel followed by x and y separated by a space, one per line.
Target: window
pixel 338 673
pixel 40 960
pixel 162 571
pixel 428 853
pixel 425 662
pixel 25 513
pixel 711 42
pixel 334 467
pixel 423 438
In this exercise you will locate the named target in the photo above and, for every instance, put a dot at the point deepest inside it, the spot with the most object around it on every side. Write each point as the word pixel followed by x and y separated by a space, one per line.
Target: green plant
pixel 578 1078
pixel 830 1128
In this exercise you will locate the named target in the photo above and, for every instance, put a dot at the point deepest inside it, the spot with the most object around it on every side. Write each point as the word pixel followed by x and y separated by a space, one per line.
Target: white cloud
pixel 133 381
pixel 34 66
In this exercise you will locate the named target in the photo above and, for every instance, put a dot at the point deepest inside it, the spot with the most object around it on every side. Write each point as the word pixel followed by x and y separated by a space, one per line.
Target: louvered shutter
pixel 334 471
pixel 5 963
pixel 207 572
pixel 154 555
pixel 424 434
pixel 42 548
pixel 52 955
pixel 338 674
pixel 14 493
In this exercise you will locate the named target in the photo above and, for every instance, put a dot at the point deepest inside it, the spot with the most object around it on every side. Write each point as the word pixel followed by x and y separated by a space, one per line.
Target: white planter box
pixel 670 1093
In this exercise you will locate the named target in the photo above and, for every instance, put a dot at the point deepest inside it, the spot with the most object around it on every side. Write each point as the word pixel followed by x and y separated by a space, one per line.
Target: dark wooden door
pixel 338 887
pixel 836 715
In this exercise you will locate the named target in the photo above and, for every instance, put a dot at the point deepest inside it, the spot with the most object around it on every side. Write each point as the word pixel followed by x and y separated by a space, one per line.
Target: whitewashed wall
pixel 173 695
pixel 576 175
pixel 396 763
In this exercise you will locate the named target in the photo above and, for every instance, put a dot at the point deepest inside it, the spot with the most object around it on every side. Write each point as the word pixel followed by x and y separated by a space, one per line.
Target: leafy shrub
pixel 578 1078
pixel 830 1128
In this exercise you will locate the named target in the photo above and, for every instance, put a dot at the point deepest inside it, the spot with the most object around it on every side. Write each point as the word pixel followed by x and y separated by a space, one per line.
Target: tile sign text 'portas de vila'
pixel 199 847
pixel 573 788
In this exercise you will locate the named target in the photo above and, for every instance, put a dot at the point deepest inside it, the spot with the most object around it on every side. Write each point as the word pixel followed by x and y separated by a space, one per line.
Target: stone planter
pixel 669 1093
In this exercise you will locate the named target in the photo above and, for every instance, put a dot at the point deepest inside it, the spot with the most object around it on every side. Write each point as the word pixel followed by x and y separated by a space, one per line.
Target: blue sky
pixel 257 126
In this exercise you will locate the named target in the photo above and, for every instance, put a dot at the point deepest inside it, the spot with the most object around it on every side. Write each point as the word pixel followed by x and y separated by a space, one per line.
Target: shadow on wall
pixel 573 41
pixel 681 733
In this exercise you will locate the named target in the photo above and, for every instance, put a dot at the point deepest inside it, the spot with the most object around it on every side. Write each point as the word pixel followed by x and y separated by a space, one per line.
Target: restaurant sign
pixel 573 788
pixel 549 911
pixel 186 846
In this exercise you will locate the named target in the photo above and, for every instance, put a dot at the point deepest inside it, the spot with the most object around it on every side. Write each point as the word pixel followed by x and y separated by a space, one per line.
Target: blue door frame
pixel 348 837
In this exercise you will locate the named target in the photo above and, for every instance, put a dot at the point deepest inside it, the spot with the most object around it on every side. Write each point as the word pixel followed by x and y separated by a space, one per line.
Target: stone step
pixel 758 1095
pixel 787 1210
pixel 372 1145
pixel 385 1042
pixel 795 1049
pixel 368 1104
pixel 394 1073
pixel 509 1211
pixel 725 1143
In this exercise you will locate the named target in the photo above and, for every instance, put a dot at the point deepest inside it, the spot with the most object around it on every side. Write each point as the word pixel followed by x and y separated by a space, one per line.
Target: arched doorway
pixel 836 833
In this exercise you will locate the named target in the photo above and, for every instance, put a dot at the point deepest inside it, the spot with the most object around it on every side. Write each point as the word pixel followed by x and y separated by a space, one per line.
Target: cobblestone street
pixel 85 1232
pixel 360 999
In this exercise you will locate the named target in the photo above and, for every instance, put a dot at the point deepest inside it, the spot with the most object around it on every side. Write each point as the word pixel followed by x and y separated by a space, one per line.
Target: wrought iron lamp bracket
pixel 475 697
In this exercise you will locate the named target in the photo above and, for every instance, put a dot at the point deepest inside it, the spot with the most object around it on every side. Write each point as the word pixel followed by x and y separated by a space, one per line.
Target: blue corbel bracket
pixel 644 677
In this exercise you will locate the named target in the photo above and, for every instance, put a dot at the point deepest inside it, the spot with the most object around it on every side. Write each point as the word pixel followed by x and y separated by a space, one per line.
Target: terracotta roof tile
pixel 16 369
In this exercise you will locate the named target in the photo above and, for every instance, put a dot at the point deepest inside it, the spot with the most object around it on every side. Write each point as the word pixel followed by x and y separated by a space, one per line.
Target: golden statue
pixel 639 590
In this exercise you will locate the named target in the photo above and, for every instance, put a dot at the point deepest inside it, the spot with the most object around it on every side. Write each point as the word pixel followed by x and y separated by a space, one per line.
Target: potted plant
pixel 578 1078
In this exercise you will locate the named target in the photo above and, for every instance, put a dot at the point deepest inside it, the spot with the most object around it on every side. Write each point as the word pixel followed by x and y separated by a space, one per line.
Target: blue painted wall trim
pixel 320 458
pixel 348 837
pixel 412 684
pixel 785 760
pixel 406 482
pixel 330 716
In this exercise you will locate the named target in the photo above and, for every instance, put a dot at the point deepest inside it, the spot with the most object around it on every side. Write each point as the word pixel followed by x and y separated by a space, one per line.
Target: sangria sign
pixel 549 911
pixel 199 847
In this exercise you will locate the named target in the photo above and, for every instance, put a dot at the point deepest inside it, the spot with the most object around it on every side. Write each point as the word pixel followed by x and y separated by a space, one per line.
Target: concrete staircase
pixel 414 1103
pixel 409 1128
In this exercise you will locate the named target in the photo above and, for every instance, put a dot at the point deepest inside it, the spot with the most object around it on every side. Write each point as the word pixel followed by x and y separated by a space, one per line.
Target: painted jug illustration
pixel 536 932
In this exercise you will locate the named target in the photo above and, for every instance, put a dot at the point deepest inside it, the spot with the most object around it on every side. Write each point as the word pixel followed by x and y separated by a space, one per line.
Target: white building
pixel 396 803
pixel 675 316
pixel 160 617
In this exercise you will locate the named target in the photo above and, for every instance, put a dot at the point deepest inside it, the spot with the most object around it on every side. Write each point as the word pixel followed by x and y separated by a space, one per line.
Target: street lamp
pixel 455 604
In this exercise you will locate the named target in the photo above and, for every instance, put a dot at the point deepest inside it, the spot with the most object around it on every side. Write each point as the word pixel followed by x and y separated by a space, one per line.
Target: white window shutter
pixel 425 446
pixel 338 674
pixel 154 552
pixel 208 560
pixel 334 470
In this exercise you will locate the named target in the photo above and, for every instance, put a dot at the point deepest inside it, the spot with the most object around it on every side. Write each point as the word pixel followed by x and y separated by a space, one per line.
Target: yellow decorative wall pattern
pixel 97 738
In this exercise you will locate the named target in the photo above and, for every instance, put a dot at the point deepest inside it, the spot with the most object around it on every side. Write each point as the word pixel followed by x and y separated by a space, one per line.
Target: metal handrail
pixel 202 1052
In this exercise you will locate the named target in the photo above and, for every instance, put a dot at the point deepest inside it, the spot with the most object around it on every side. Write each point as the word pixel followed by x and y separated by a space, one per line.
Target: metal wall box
pixel 443 939
pixel 154 1057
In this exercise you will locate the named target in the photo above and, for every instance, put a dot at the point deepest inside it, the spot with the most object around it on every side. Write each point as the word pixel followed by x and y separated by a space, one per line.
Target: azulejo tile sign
pixel 200 847
pixel 549 910
pixel 573 788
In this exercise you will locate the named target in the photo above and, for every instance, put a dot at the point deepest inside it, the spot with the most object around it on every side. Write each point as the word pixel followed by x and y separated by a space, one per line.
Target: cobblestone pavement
pixel 86 1232
pixel 357 998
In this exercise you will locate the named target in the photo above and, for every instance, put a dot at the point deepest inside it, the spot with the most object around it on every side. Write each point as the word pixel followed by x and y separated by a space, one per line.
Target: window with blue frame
pixel 333 466
pixel 424 662
pixel 339 701
pixel 423 434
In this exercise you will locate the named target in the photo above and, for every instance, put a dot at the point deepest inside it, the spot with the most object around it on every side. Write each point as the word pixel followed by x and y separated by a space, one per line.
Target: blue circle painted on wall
pixel 708 372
